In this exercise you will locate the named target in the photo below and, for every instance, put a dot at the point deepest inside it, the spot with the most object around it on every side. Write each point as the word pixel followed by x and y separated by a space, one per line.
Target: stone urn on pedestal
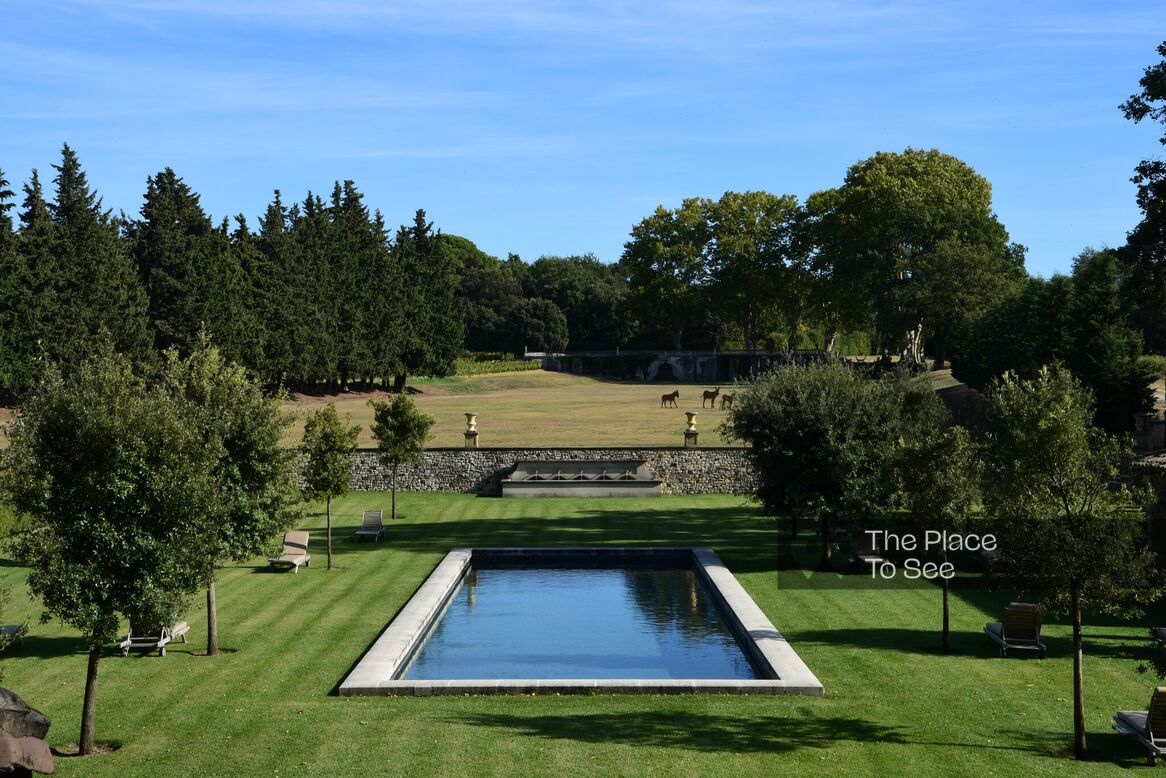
pixel 690 432
pixel 471 430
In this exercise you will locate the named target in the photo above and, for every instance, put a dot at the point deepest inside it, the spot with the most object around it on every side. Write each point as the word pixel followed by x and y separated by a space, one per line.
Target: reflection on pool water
pixel 580 622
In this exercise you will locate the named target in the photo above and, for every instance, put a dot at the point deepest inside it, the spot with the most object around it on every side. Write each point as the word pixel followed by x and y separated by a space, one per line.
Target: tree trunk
pixel 940 356
pixel 831 339
pixel 393 513
pixel 212 619
pixel 399 383
pixel 824 530
pixel 677 333
pixel 946 643
pixel 89 706
pixel 1078 687
pixel 912 350
pixel 328 510
pixel 793 526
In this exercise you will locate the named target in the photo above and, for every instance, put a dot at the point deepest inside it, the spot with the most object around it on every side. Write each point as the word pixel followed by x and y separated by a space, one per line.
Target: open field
pixel 539 408
pixel 893 705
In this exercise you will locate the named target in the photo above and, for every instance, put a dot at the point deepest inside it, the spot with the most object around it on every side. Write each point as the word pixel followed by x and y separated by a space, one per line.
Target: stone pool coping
pixel 782 670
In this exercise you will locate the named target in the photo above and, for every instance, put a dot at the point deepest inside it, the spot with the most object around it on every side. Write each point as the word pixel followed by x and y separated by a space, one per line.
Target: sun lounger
pixel 371 525
pixel 1148 727
pixel 148 638
pixel 1020 629
pixel 295 551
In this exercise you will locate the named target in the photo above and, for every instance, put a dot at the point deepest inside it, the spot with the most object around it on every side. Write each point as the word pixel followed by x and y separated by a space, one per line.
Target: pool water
pixel 580 622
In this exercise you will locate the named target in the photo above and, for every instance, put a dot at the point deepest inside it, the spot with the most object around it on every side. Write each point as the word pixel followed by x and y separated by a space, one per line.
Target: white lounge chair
pixel 148 638
pixel 295 551
pixel 371 525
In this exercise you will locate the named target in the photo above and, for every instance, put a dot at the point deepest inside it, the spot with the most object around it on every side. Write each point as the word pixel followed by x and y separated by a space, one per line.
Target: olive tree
pixel 1070 527
pixel 939 482
pixel 106 473
pixel 401 431
pixel 327 450
pixel 255 495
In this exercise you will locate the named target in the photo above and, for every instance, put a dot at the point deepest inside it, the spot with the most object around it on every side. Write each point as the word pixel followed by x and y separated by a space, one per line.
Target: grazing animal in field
pixel 710 397
pixel 669 400
pixel 726 401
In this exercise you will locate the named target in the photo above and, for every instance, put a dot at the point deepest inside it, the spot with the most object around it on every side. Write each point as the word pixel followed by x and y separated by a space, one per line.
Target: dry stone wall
pixel 480 471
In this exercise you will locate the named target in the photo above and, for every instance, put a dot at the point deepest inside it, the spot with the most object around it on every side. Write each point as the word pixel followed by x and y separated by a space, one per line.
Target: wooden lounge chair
pixel 1147 726
pixel 295 551
pixel 148 638
pixel 371 525
pixel 1020 629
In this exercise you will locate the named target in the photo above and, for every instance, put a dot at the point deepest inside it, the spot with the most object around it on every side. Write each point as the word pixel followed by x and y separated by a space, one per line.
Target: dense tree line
pixel 907 247
pixel 1077 321
pixel 320 293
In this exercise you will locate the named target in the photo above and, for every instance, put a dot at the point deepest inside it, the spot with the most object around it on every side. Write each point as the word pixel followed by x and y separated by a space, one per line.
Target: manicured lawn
pixel 893 705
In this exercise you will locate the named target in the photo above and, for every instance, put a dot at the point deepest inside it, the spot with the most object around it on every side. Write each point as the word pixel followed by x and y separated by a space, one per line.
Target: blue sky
pixel 542 127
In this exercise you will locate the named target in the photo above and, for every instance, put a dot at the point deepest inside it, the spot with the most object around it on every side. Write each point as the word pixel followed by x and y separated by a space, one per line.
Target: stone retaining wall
pixel 480 471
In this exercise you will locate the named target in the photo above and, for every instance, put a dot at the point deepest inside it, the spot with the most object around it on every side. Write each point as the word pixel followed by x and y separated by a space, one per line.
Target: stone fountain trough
pixel 604 478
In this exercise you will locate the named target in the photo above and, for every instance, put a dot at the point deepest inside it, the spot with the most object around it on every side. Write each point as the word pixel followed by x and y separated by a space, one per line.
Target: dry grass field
pixel 538 408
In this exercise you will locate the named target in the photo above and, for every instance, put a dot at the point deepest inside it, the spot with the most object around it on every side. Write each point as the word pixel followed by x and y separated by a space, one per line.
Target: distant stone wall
pixel 480 471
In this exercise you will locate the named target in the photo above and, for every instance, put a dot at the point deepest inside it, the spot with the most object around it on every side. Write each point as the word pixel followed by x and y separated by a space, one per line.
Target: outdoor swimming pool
pixel 580 620
pixel 632 621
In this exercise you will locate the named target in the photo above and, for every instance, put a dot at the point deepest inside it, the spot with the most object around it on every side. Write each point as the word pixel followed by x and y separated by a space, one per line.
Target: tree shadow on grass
pixel 745 541
pixel 730 734
pixel 692 731
pixel 1106 746
pixel 45 647
pixel 968 644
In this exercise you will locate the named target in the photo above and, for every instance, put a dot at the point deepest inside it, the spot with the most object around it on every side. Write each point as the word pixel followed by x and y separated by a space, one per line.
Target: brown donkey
pixel 726 401
pixel 667 400
pixel 710 397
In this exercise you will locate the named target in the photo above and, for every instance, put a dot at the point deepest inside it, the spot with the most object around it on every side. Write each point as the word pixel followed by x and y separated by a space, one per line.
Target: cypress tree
pixel 273 284
pixel 431 338
pixel 312 292
pixel 385 317
pixel 95 286
pixel 357 244
pixel 187 268
pixel 17 310
pixel 34 248
pixel 255 288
